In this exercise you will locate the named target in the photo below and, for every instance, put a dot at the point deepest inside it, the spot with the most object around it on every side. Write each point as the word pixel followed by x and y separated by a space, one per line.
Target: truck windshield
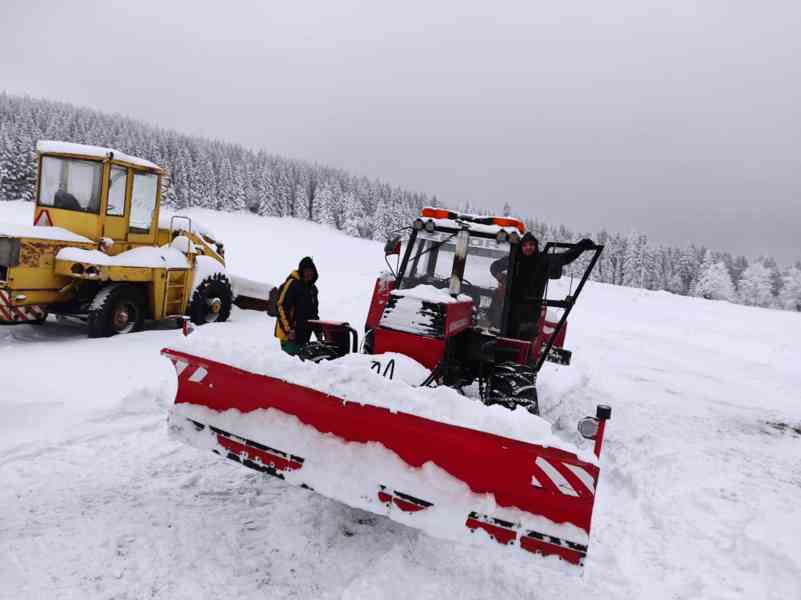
pixel 70 184
pixel 431 263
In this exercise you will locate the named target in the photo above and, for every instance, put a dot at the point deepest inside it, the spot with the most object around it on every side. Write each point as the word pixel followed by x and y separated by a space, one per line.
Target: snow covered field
pixel 700 495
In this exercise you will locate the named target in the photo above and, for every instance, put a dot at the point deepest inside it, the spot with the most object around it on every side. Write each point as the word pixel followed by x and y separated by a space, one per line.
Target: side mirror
pixel 393 246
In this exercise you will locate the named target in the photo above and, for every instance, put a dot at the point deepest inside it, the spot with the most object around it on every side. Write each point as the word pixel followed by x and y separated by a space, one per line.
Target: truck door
pixel 116 225
pixel 142 226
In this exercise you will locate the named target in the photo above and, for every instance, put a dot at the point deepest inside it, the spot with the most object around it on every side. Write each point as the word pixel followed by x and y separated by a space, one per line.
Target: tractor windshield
pixel 70 184
pixel 431 263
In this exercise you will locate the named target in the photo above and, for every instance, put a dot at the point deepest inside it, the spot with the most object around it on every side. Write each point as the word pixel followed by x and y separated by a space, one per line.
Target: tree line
pixel 222 176
pixel 204 173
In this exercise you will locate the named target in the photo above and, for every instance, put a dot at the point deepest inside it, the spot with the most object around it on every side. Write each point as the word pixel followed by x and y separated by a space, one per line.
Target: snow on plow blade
pixel 449 481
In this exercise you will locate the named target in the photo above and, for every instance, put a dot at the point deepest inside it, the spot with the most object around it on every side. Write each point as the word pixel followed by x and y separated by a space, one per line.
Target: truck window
pixel 70 184
pixel 143 201
pixel 118 181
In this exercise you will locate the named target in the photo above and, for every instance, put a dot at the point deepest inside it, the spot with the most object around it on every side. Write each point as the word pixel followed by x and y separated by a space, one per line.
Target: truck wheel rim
pixel 121 318
pixel 214 306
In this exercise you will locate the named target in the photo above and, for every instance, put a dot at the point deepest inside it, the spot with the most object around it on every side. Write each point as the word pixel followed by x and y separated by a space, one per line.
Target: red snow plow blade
pixel 450 481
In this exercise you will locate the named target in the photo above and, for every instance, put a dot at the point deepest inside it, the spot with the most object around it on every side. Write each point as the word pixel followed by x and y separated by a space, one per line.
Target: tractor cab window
pixel 70 184
pixel 143 201
pixel 117 184
pixel 431 263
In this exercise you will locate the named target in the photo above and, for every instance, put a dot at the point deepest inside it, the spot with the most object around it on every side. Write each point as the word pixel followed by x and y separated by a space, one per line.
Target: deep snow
pixel 699 496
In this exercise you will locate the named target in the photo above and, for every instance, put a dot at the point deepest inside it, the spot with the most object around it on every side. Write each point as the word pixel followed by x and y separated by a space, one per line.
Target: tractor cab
pixel 456 306
pixel 98 193
pixel 456 253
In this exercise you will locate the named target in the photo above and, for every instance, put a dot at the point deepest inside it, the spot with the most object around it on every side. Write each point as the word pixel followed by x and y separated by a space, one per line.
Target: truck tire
pixel 211 300
pixel 117 308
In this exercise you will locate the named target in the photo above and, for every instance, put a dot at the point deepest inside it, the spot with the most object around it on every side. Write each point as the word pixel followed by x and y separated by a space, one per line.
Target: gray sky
pixel 680 119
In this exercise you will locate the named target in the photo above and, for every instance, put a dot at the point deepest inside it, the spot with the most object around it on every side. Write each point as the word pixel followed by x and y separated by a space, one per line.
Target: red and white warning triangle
pixel 43 219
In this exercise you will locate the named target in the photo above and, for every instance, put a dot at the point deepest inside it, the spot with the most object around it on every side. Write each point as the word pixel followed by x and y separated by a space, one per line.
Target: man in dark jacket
pixel 532 270
pixel 297 303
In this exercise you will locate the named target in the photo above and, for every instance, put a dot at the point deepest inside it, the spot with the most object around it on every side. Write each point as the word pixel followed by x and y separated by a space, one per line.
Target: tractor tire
pixel 319 351
pixel 117 308
pixel 211 301
pixel 513 385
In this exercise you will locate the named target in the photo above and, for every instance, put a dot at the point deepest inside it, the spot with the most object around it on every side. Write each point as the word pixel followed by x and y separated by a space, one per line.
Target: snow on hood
pixel 429 293
pixel 58 234
pixel 55 147
pixel 352 379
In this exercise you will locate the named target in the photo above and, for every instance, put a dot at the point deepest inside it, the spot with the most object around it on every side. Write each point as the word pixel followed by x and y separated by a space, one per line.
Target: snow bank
pixel 55 147
pixel 38 232
pixel 146 256
pixel 352 379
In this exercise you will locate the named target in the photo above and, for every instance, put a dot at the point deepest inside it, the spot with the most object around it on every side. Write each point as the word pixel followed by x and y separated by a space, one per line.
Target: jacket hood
pixel 305 263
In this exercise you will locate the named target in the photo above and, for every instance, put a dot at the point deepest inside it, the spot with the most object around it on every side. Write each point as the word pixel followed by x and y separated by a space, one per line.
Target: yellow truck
pixel 98 251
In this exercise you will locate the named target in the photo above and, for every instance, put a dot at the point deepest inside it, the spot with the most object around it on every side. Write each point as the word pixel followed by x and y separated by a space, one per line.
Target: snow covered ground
pixel 700 491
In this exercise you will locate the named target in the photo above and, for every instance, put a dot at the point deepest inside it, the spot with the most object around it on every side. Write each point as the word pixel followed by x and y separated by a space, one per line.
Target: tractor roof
pixel 482 224
pixel 54 147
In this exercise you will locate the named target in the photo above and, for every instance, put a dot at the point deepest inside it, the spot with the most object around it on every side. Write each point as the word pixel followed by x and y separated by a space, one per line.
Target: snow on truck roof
pixel 56 147
pixel 486 224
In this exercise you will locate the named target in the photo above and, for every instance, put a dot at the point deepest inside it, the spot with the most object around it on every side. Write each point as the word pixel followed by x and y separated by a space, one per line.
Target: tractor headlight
pixel 77 269
pixel 92 271
pixel 430 226
pixel 588 427
pixel 418 224
pixel 514 237
pixel 502 236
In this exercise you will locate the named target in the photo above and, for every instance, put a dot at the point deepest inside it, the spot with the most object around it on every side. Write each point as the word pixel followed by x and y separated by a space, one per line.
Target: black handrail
pixel 568 302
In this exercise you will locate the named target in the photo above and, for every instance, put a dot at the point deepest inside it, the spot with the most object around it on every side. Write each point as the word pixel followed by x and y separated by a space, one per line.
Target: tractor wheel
pixel 211 301
pixel 319 351
pixel 117 308
pixel 513 385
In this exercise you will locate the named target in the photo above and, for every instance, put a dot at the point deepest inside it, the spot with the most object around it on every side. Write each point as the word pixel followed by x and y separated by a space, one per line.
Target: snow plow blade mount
pixel 449 481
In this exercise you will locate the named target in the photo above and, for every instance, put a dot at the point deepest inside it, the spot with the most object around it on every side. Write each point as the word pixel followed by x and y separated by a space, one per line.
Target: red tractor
pixel 445 307
pixel 467 472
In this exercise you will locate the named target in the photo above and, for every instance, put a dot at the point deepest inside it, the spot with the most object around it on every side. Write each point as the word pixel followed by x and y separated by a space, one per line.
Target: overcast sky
pixel 680 119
